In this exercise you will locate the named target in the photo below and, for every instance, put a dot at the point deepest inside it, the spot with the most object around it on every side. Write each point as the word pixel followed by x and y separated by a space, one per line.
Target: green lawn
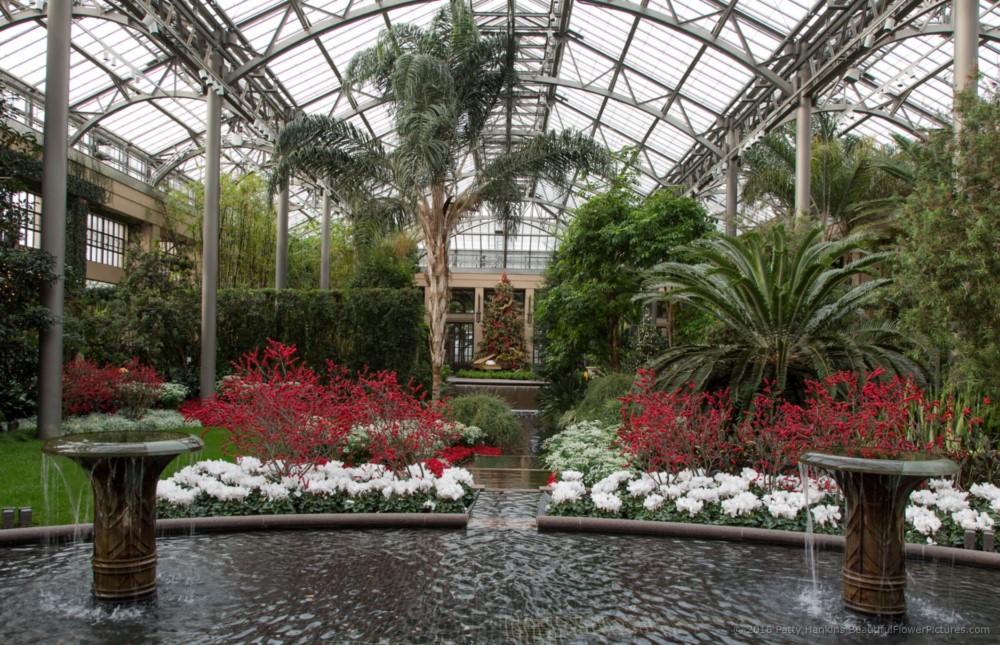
pixel 24 477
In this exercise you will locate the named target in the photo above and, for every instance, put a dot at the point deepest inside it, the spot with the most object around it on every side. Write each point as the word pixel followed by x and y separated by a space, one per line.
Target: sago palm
pixel 446 86
pixel 791 312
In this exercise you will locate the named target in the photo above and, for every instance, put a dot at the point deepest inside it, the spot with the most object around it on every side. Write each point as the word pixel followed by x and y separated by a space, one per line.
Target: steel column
pixel 732 181
pixel 54 169
pixel 965 21
pixel 281 256
pixel 803 154
pixel 210 243
pixel 324 251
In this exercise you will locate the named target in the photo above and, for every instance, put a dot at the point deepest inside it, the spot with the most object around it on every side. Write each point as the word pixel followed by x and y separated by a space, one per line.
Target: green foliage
pixel 24 272
pixel 948 263
pixel 503 328
pixel 849 183
pixel 153 314
pixel 490 413
pixel 789 310
pixel 597 271
pixel 601 400
pixel 562 392
pixel 386 263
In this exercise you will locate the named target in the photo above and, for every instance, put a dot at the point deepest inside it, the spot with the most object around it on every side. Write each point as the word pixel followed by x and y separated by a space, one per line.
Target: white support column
pixel 965 21
pixel 803 153
pixel 281 256
pixel 732 181
pixel 324 251
pixel 479 306
pixel 210 243
pixel 55 161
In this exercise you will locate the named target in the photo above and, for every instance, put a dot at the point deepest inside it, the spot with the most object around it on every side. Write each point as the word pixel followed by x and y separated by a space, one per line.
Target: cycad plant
pixel 791 312
pixel 447 86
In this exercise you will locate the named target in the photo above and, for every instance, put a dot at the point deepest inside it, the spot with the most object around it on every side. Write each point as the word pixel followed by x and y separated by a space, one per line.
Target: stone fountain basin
pixel 123 444
pixel 906 464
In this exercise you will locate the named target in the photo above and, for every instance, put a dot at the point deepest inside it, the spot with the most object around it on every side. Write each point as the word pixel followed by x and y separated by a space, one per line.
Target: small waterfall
pixel 810 540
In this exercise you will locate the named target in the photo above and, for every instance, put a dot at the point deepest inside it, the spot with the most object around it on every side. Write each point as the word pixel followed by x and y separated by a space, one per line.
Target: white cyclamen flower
pixel 923 497
pixel 690 505
pixel 986 491
pixel 950 500
pixel 273 492
pixel 607 502
pixel 171 493
pixel 824 514
pixel 448 488
pixel 741 504
pixel 970 520
pixel 567 491
pixel 924 520
pixel 652 503
pixel 572 476
pixel 641 487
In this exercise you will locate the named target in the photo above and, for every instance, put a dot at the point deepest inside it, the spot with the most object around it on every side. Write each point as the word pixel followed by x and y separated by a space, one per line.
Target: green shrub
pixel 490 413
pixel 172 395
pixel 601 400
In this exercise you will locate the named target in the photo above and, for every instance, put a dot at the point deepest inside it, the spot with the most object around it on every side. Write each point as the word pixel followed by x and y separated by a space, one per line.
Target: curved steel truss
pixel 689 83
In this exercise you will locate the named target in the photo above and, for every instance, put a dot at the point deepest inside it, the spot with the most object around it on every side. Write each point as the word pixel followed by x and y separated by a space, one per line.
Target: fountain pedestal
pixel 124 468
pixel 877 492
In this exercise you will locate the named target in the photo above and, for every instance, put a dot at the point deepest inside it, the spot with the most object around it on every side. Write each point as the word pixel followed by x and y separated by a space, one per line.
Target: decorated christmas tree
pixel 503 328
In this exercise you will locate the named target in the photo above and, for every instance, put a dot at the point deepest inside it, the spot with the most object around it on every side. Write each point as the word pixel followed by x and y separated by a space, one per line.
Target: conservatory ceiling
pixel 668 77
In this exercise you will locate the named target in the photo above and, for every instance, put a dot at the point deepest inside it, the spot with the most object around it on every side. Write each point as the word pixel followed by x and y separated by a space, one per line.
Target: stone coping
pixel 189 526
pixel 944 554
pixel 457 380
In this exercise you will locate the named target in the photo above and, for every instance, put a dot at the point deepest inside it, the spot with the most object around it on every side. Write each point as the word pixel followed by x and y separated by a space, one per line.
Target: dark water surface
pixel 486 585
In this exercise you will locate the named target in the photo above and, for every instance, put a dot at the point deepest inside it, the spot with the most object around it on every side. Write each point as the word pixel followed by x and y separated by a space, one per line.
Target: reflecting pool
pixel 502 582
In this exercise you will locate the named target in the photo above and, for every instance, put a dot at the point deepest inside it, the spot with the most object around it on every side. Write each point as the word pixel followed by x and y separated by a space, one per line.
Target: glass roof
pixel 668 77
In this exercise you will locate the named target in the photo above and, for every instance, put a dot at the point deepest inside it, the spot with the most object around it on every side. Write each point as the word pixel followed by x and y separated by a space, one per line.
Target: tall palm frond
pixel 852 184
pixel 444 85
pixel 791 313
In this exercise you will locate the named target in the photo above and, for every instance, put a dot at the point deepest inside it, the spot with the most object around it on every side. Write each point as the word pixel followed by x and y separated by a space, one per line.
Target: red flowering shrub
pixel 401 428
pixel 87 388
pixel 672 431
pixel 870 415
pixel 136 389
pixel 277 409
pixel 458 454
pixel 130 390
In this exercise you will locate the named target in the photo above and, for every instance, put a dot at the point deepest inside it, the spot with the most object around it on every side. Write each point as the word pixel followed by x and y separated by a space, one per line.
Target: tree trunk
pixel 436 242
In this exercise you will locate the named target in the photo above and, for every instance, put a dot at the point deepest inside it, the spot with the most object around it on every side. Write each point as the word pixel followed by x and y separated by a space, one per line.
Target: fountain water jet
pixel 124 468
pixel 877 492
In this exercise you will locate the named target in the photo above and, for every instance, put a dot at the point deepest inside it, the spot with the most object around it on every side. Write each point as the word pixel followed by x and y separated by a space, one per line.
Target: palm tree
pixel 445 85
pixel 851 181
pixel 790 312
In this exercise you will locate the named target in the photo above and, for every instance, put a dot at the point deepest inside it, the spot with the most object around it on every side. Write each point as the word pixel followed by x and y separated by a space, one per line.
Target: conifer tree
pixel 503 328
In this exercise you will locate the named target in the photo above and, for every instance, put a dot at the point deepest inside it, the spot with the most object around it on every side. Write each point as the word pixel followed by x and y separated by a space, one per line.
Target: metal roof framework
pixel 670 78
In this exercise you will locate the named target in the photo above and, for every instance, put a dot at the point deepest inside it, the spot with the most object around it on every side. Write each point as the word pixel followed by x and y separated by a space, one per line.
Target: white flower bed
pixel 937 513
pixel 250 486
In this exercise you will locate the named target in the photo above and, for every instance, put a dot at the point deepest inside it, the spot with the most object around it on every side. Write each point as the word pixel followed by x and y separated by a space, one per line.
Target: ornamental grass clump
pixel 278 410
